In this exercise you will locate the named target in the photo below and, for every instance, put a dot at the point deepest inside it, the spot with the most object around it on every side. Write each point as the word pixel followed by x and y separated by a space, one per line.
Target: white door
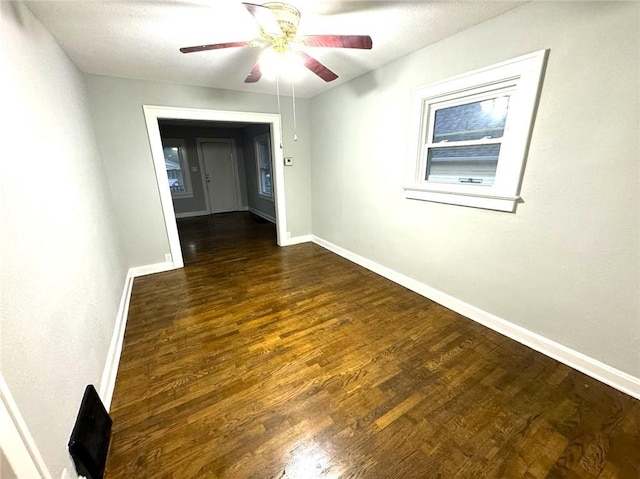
pixel 220 176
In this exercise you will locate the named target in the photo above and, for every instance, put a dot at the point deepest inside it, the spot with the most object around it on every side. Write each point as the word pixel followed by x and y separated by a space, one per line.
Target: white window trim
pixel 257 139
pixel 184 163
pixel 522 76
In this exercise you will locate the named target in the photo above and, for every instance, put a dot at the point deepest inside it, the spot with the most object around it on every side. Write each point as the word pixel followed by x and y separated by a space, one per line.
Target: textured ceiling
pixel 140 38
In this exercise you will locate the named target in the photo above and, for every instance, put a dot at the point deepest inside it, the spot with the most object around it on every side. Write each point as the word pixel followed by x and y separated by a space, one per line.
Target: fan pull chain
pixel 278 95
pixel 295 127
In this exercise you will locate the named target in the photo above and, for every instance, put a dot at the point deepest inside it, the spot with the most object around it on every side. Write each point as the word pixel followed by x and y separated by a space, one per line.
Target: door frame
pixel 153 113
pixel 234 165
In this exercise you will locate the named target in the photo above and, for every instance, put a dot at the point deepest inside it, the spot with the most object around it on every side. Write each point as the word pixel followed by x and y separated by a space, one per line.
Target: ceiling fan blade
pixel 254 75
pixel 264 17
pixel 318 68
pixel 214 46
pixel 337 41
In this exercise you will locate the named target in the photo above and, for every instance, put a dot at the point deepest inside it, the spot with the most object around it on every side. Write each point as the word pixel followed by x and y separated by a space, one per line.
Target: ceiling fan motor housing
pixel 288 17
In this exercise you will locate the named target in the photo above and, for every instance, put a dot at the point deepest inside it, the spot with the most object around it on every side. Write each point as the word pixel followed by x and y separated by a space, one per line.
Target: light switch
pixel 288 160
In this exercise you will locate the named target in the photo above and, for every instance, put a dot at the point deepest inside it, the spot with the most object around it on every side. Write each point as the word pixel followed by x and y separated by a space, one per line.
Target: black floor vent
pixel 89 440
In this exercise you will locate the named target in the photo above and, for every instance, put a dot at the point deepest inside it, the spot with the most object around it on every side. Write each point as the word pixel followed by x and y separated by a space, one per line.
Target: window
pixel 471 135
pixel 177 164
pixel 262 145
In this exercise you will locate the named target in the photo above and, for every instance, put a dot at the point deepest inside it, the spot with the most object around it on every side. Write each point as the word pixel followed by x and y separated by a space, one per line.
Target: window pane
pixel 174 169
pixel 472 121
pixel 265 182
pixel 263 154
pixel 463 164
pixel 263 160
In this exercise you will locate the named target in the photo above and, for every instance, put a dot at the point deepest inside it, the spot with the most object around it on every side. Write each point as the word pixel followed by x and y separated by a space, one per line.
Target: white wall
pixel 116 105
pixel 566 264
pixel 62 271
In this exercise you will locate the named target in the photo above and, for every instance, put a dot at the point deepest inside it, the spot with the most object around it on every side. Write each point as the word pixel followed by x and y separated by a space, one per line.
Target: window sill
pixel 488 202
pixel 182 196
pixel 265 197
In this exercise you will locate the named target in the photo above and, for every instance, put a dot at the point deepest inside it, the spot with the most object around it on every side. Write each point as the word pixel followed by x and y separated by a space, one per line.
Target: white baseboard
pixel 70 474
pixel 297 240
pixel 16 442
pixel 191 214
pixel 262 215
pixel 592 367
pixel 151 269
pixel 108 381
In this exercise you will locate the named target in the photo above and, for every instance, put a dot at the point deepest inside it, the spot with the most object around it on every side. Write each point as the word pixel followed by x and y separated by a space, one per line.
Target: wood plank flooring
pixel 256 361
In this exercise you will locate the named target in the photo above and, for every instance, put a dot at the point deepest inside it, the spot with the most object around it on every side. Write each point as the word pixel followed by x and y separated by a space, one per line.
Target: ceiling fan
pixel 278 23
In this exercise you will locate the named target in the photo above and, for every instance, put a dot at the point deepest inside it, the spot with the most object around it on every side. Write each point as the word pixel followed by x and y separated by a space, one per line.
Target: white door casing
pixel 153 113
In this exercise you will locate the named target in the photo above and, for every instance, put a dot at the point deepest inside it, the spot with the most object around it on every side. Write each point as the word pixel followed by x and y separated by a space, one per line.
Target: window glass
pixel 265 182
pixel 175 174
pixel 474 165
pixel 263 162
pixel 471 121
pixel 177 167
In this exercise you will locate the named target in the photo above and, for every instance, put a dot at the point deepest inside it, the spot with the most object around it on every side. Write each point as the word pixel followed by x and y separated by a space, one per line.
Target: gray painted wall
pixel 256 201
pixel 62 267
pixel 566 264
pixel 116 106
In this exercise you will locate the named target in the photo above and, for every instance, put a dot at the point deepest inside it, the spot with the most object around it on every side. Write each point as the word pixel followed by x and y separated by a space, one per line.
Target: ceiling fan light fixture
pixel 285 65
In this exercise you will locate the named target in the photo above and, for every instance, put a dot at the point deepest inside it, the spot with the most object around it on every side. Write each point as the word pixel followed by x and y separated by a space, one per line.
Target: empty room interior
pixel 316 239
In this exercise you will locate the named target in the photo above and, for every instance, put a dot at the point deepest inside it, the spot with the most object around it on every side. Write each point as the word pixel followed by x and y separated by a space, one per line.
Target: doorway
pixel 155 113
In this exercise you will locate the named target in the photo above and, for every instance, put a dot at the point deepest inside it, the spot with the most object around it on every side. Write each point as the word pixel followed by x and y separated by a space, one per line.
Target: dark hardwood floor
pixel 256 361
